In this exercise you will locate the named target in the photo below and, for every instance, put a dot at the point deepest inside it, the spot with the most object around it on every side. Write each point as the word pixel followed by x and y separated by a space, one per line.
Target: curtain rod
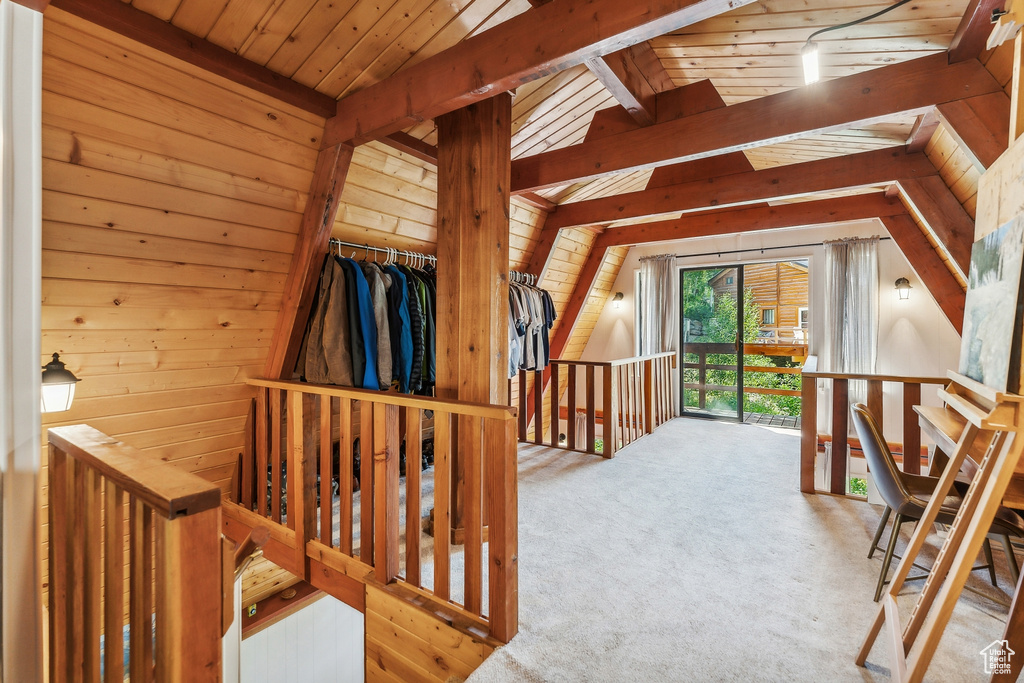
pixel 382 250
pixel 761 249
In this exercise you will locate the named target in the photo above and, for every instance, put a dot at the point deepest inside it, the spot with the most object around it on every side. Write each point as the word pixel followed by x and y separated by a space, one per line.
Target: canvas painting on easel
pixel 990 351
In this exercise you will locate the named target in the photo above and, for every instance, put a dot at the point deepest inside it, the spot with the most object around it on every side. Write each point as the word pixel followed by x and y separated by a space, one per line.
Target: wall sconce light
pixel 903 287
pixel 58 388
pixel 617 300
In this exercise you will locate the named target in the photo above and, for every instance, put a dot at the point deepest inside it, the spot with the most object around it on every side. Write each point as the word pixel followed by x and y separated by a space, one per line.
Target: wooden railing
pixel 635 395
pixel 703 349
pixel 174 574
pixel 305 430
pixel 840 412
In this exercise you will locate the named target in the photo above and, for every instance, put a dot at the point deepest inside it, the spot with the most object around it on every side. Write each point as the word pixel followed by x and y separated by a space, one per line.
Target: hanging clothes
pixel 531 317
pixel 379 303
pixel 367 325
pixel 402 352
pixel 337 333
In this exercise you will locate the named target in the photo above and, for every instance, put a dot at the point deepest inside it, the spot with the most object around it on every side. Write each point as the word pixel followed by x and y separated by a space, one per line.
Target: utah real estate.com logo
pixel 997 657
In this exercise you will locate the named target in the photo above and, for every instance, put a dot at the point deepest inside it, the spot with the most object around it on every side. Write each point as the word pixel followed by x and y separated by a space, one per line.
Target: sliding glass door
pixel 711 333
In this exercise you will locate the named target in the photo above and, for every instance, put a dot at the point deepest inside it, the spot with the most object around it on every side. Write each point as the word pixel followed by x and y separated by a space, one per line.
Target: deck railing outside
pixel 838 476
pixel 305 432
pixel 703 349
pixel 174 573
pixel 635 395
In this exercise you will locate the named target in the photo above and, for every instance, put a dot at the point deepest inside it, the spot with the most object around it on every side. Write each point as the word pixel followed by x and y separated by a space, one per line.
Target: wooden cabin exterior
pixel 195 157
pixel 781 289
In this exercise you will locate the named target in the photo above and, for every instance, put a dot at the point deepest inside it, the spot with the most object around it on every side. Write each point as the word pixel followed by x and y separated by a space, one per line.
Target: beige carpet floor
pixel 692 556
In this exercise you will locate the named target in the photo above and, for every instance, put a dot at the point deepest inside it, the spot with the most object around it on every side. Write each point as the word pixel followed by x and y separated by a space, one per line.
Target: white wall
pixel 914 336
pixel 21 39
pixel 321 643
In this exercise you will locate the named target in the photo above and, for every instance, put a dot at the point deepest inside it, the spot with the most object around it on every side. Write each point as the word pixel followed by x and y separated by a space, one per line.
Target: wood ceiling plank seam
pixel 129 296
pixel 118 128
pixel 396 189
pixel 198 16
pixel 64 208
pixel 116 269
pixel 463 25
pixel 71 179
pixel 359 21
pixel 90 152
pixel 273 29
pixel 310 33
pixel 139 71
pixel 237 22
pixel 109 242
pixel 164 111
pixel 410 42
pixel 556 104
pixel 567 129
pixel 101 341
pixel 373 200
pixel 372 46
pixel 535 94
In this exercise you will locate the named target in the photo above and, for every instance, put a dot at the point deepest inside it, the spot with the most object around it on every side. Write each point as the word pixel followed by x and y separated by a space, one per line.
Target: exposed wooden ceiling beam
pixel 980 125
pixel 543 41
pixel 931 199
pixel 972 33
pixel 922 132
pixel 738 220
pixel 37 5
pixel 928 266
pixel 831 105
pixel 403 142
pixel 135 24
pixel 856 170
pixel 634 76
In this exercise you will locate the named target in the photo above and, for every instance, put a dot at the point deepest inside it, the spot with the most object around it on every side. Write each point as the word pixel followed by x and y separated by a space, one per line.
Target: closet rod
pixel 381 250
pixel 761 249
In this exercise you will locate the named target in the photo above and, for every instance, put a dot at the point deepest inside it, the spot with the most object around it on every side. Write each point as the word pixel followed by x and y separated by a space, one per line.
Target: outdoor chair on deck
pixel 908 495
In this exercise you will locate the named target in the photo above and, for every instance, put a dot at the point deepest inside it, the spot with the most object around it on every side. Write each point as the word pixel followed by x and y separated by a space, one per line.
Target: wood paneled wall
pixel 599 295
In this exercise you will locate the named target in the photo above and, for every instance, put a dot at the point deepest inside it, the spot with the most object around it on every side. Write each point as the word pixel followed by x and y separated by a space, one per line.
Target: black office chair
pixel 908 495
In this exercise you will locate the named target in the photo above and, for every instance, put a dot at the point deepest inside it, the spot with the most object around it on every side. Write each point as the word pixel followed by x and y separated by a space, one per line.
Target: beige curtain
pixel 851 305
pixel 657 299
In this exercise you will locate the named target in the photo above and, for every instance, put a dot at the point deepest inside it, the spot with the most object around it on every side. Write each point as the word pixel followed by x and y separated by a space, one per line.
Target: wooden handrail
pixel 390 398
pixel 164 488
pixel 106 496
pixel 810 369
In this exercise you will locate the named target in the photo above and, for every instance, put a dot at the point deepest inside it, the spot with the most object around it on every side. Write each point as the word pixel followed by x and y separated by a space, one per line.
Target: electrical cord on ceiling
pixel 809 52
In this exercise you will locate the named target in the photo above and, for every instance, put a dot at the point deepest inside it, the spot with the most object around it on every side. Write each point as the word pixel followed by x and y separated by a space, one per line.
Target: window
pixel 767 316
pixel 728 280
pixel 804 318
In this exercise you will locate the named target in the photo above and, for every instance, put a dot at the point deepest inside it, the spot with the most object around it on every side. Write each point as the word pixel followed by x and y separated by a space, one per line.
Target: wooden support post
pixel 570 413
pixel 840 427
pixel 474 157
pixel 609 411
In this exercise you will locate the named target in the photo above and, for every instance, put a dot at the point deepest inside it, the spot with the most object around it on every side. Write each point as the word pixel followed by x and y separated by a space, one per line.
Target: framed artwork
pixel 991 348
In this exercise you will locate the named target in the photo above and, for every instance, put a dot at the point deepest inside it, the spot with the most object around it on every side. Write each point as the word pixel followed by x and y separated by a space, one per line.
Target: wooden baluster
pixel 538 407
pixel 649 419
pixel 188 572
pixel 503 539
pixel 301 508
pixel 554 405
pixel 591 412
pixel 77 586
pixel 141 597
pixel 366 489
pixel 840 426
pixel 570 420
pixel 275 454
pixel 911 429
pixel 113 571
pixel 326 473
pixel 413 492
pixel 524 419
pixel 808 432
pixel 702 379
pixel 442 503
pixel 608 411
pixel 60 565
pixel 385 494
pixel 245 476
pixel 623 403
pixel 91 510
pixel 473 509
pixel 345 473
pixel 260 475
pixel 633 403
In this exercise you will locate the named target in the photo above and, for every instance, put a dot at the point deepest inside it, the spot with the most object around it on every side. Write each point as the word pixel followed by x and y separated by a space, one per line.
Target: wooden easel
pixel 988 421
